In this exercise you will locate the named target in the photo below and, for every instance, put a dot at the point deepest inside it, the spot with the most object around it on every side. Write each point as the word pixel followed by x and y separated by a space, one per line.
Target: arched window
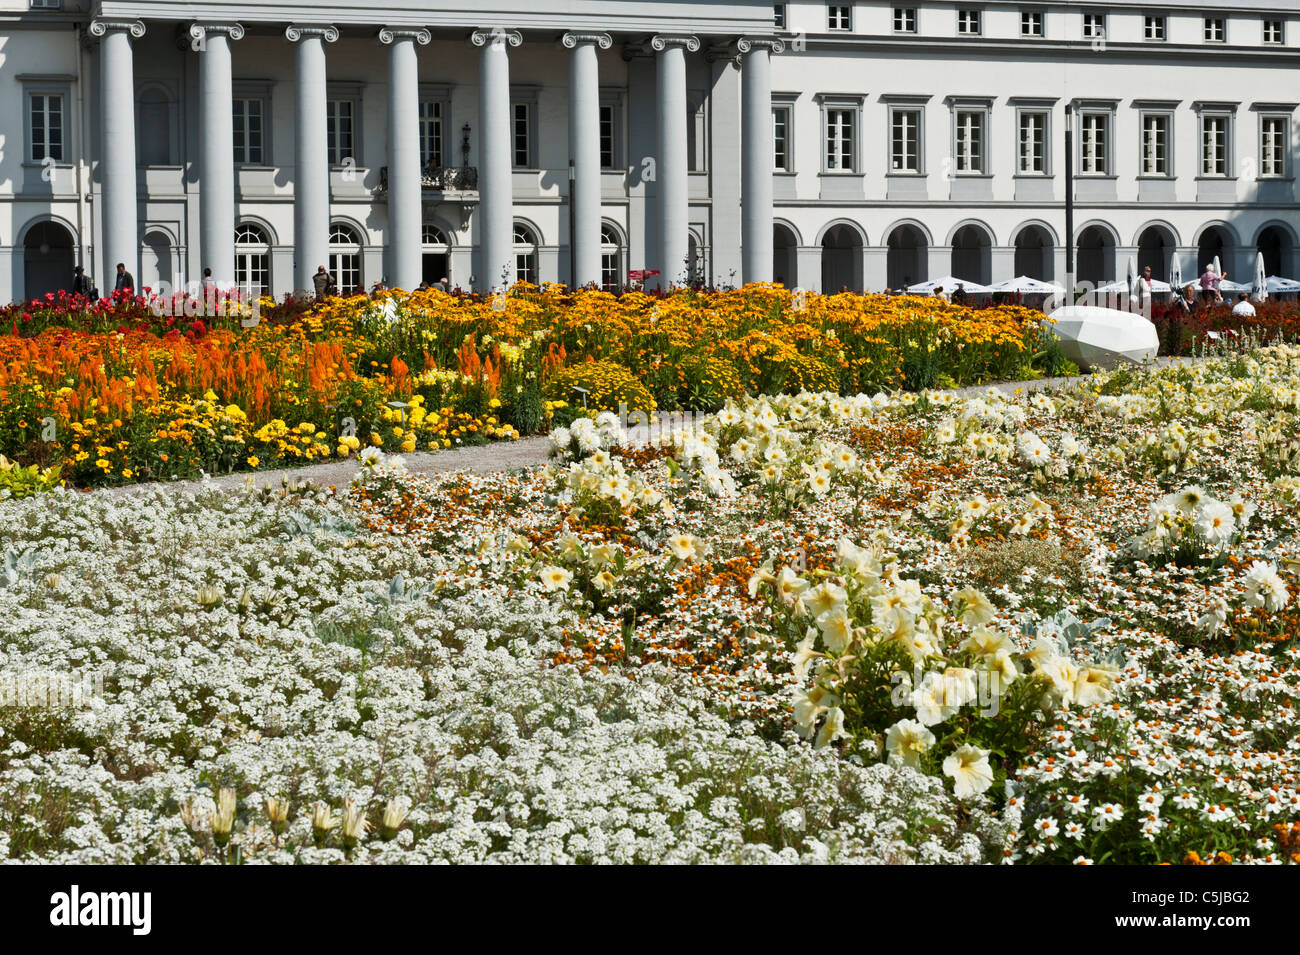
pixel 345 259
pixel 611 259
pixel 252 260
pixel 434 239
pixel 525 254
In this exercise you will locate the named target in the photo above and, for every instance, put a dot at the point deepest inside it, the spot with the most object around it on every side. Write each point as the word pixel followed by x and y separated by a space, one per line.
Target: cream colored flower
pixel 970 771
pixel 555 578
pixel 907 740
pixel 975 608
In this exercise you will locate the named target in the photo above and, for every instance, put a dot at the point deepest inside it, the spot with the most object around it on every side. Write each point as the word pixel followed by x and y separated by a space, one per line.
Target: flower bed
pixel 112 393
pixel 1057 627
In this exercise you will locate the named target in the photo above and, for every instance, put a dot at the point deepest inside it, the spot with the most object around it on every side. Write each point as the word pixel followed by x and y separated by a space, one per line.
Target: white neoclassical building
pixel 845 144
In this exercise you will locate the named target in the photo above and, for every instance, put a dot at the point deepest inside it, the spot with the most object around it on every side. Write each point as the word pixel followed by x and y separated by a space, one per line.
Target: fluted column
pixel 405 215
pixel 756 157
pixel 217 151
pixel 495 186
pixel 672 168
pixel 584 149
pixel 311 172
pixel 119 214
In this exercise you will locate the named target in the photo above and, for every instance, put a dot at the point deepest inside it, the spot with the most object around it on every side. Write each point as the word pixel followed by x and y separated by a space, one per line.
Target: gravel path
pixel 483 459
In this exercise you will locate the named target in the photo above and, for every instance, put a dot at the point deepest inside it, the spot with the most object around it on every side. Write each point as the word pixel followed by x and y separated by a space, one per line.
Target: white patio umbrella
pixel 1259 288
pixel 1234 287
pixel 1134 289
pixel 1218 269
pixel 1157 287
pixel 1278 285
pixel 1175 271
pixel 1027 286
pixel 949 284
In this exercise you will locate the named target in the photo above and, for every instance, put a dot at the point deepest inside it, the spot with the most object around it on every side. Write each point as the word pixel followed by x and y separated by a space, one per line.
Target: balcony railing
pixel 442 178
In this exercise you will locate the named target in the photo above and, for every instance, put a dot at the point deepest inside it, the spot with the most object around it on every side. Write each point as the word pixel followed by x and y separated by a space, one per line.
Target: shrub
pixel 608 384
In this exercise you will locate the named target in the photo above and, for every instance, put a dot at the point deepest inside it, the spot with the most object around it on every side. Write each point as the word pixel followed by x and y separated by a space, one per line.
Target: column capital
pixel 571 40
pixel 198 32
pixel 298 31
pixel 773 44
pixel 99 28
pixel 662 41
pixel 492 35
pixel 390 35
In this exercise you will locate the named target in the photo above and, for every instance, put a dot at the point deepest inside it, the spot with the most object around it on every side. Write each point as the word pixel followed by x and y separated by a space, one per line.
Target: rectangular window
pixel 1033 143
pixel 839 140
pixel 968 145
pixel 905 140
pixel 1214 145
pixel 248 131
pixel 1155 145
pixel 431 134
pixel 968 22
pixel 1216 30
pixel 46 128
pixel 839 17
pixel 609 136
pixel 1093 143
pixel 339 131
pixel 781 138
pixel 1274 32
pixel 1031 23
pixel 1094 26
pixel 778 15
pixel 1153 28
pixel 1272 146
pixel 904 19
pixel 521 135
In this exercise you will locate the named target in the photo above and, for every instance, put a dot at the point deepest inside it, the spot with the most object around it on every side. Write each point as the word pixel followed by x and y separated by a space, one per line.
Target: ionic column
pixel 405 215
pixel 672 168
pixel 756 157
pixel 584 149
pixel 216 149
pixel 495 184
pixel 118 216
pixel 311 172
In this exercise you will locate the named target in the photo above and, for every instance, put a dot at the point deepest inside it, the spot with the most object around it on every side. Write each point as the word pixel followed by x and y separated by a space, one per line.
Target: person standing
pixel 81 282
pixel 322 282
pixel 125 280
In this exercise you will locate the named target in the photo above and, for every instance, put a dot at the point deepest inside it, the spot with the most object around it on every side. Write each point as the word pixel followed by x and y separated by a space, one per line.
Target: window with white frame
pixel 611 259
pixel 1155 144
pixel 968 22
pixel 781 139
pixel 340 131
pixel 778 16
pixel 904 19
pixel 1215 30
pixel 1214 144
pixel 1094 144
pixel 1153 27
pixel 840 146
pixel 1031 23
pixel 525 248
pixel 249 134
pixel 968 141
pixel 252 260
pixel 839 16
pixel 431 133
pixel 521 131
pixel 45 127
pixel 1273 138
pixel 611 135
pixel 904 140
pixel 1094 26
pixel 46 5
pixel 345 259
pixel 1274 32
pixel 1032 142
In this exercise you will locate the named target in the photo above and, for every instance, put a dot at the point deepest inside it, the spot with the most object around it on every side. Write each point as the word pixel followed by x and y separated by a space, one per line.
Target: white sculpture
pixel 1095 337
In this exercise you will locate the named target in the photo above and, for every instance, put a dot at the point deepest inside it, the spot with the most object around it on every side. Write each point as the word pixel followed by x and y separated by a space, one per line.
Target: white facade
pixel 821 145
